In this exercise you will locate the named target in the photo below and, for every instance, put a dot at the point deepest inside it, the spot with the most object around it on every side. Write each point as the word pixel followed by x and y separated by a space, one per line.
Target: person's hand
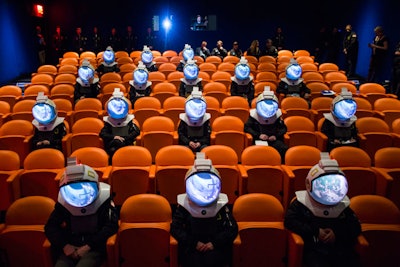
pixel 272 138
pixel 82 251
pixel 46 142
pixel 204 247
pixel 263 137
pixel 70 250
pixel 336 141
pixel 193 145
pixel 306 95
pixel 119 138
pixel 326 235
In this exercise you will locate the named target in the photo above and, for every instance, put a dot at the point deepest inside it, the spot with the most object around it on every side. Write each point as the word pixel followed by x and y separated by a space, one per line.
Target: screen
pixel 267 108
pixel 191 71
pixel 202 22
pixel 85 73
pixel 44 113
pixel 79 194
pixel 203 188
pixel 242 71
pixel 117 108
pixel 188 53
pixel 140 76
pixel 147 57
pixel 108 56
pixel 345 109
pixel 329 189
pixel 195 109
pixel 293 72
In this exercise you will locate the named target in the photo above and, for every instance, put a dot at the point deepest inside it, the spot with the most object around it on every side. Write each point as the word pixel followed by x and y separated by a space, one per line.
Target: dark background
pixel 244 22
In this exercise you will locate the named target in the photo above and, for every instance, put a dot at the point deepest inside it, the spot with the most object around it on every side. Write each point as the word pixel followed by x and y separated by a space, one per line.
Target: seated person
pixel 49 128
pixel 147 58
pixel 191 79
pixel 83 218
pixel 187 54
pixel 140 85
pixel 242 83
pixel 108 64
pixel 194 128
pixel 119 129
pixel 322 217
pixel 219 50
pixel 292 84
pixel 265 123
pixel 87 85
pixel 202 223
pixel 340 124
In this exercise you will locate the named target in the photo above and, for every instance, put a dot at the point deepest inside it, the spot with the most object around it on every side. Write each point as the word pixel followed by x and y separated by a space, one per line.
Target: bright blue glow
pixel 167 24
pixel 267 108
pixel 44 113
pixel 329 189
pixel 140 76
pixel 117 108
pixel 242 71
pixel 203 188
pixel 344 109
pixel 188 53
pixel 108 56
pixel 293 72
pixel 191 71
pixel 195 109
pixel 80 194
pixel 85 73
pixel 147 57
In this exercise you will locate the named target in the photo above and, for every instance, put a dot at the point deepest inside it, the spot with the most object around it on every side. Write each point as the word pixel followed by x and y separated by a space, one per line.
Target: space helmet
pixel 140 74
pixel 79 185
pixel 293 70
pixel 343 106
pixel 195 106
pixel 203 182
pixel 146 55
pixel 267 104
pixel 44 110
pixel 117 105
pixel 242 69
pixel 109 55
pixel 326 183
pixel 188 52
pixel 191 70
pixel 86 71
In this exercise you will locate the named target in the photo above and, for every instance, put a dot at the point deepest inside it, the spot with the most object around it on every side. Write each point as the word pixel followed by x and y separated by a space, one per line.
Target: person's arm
pixel 182 133
pixel 180 228
pixel 347 230
pixel 134 132
pixel 228 229
pixel 59 132
pixel 281 129
pixel 206 139
pixel 55 231
pixel 106 134
pixel 251 127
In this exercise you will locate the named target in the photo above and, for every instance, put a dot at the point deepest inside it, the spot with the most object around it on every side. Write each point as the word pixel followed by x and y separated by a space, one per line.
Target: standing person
pixel 202 50
pixel 203 224
pixel 151 39
pixel 119 129
pixel 279 39
pixel 114 40
pixel 79 41
pixel 350 50
pixel 130 40
pixel 269 49
pixel 396 71
pixel 59 45
pixel 254 49
pixel 96 41
pixel 235 51
pixel 322 42
pixel 242 83
pixel 379 48
pixel 84 217
pixel 40 46
pixel 219 50
pixel 322 217
pixel 334 44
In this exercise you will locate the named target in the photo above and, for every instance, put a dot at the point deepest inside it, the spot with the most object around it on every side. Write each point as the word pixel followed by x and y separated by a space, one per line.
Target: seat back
pixel 85 133
pixel 172 107
pixel 10 167
pixel 22 110
pixel 390 107
pixel 236 106
pixel 146 107
pixel 87 107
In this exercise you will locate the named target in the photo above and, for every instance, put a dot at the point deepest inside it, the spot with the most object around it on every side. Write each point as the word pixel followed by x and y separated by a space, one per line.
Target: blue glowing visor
pixel 191 71
pixel 293 72
pixel 195 109
pixel 85 73
pixel 242 71
pixel 188 53
pixel 80 194
pixel 203 188
pixel 344 109
pixel 108 56
pixel 267 108
pixel 44 113
pixel 140 76
pixel 147 57
pixel 329 189
pixel 117 108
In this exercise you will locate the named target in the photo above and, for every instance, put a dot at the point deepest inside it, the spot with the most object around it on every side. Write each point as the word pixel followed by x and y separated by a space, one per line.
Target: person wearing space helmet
pixel 119 129
pixel 242 83
pixel 87 85
pixel 322 217
pixel 140 85
pixel 194 129
pixel 191 79
pixel 187 53
pixel 340 124
pixel 84 217
pixel 265 123
pixel 202 222
pixel 292 84
pixel 147 58
pixel 49 128
pixel 108 64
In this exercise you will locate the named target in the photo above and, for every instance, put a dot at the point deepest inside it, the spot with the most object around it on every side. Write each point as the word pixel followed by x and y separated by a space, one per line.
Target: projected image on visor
pixel 43 113
pixel 293 72
pixel 80 194
pixel 191 71
pixel 267 108
pixel 345 109
pixel 329 189
pixel 203 188
pixel 140 76
pixel 117 108
pixel 242 71
pixel 147 57
pixel 195 109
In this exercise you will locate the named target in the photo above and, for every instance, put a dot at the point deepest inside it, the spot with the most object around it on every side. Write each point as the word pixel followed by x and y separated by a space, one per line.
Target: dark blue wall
pixel 300 21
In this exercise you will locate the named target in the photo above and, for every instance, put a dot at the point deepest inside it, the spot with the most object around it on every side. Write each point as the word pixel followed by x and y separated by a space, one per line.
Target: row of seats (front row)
pixel 144 239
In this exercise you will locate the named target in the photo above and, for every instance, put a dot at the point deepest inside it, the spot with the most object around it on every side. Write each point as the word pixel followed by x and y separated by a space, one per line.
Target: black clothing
pixel 244 90
pixel 130 43
pixel 199 134
pixel 346 228
pixel 90 91
pixel 299 89
pixel 269 51
pixel 279 41
pixel 236 52
pixel 203 52
pixel 59 47
pixel 340 133
pixel 219 52
pixel 377 61
pixel 220 230
pixel 186 89
pixel 104 68
pixel 350 44
pixel 134 94
pixel 54 137
pixel 79 43
pixel 96 43
pixel 151 67
pixel 396 72
pixel 114 40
